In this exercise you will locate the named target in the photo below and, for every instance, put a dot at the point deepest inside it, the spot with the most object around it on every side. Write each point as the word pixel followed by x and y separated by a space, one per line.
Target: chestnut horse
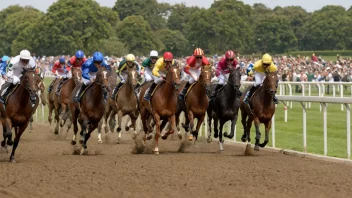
pixel 263 109
pixel 91 109
pixel 162 105
pixel 126 103
pixel 225 108
pixel 18 110
pixel 196 103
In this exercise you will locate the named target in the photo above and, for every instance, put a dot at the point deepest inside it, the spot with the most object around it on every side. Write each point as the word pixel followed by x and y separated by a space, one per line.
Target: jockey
pixel 59 71
pixel 17 65
pixel 129 61
pixel 260 68
pixel 89 70
pixel 249 72
pixel 160 66
pixel 149 64
pixel 223 71
pixel 4 62
pixel 77 60
pixel 193 69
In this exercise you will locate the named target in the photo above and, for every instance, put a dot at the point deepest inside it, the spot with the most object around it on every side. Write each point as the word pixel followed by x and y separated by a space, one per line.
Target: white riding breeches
pixel 14 76
pixel 148 74
pixel 123 76
pixel 259 76
pixel 195 73
pixel 158 79
pixel 223 78
pixel 92 78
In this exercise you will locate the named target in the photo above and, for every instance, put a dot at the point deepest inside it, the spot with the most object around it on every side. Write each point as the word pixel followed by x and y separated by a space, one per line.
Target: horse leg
pixel 157 133
pixel 244 116
pixel 199 124
pixel 3 143
pixel 100 124
pixel 233 125
pixel 216 129
pixel 267 129
pixel 209 126
pixel 19 131
pixel 127 128
pixel 133 125
pixel 31 123
pixel 221 141
pixel 75 126
pixel 144 118
pixel 57 121
pixel 90 129
pixel 118 130
pixel 106 117
pixel 8 132
pixel 257 132
pixel 62 114
pixel 248 129
pixel 112 121
pixel 50 112
pixel 163 124
pixel 190 124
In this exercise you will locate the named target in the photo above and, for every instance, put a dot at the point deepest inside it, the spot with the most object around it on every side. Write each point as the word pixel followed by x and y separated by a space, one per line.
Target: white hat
pixel 25 54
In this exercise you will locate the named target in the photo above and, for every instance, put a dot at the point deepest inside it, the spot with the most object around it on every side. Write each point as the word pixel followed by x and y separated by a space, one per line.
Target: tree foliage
pixel 138 26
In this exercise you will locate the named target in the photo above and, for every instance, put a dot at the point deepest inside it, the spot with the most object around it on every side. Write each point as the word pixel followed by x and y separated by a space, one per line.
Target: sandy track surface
pixel 47 168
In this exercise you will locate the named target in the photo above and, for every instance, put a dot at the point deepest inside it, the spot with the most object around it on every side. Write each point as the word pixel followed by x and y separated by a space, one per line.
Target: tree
pixel 180 16
pixel 137 35
pixel 174 41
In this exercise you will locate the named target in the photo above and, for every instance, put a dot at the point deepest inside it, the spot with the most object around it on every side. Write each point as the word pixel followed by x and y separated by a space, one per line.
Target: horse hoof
pixel 100 141
pixel 12 160
pixel 73 142
pixel 216 135
pixel 83 151
pixel 127 128
pixel 244 138
pixel 9 142
pixel 190 137
pixel 209 140
pixel 179 136
pixel 118 142
pixel 81 141
pixel 156 152
pixel 134 136
pixel 164 137
pixel 150 137
pixel 56 132
pixel 118 129
pixel 256 148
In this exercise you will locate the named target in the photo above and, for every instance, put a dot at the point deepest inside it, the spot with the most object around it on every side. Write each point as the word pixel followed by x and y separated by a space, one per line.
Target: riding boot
pixel 276 101
pixel 249 94
pixel 51 85
pixel 62 82
pixel 33 99
pixel 78 95
pixel 184 91
pixel 116 89
pixel 150 91
pixel 215 92
pixel 9 86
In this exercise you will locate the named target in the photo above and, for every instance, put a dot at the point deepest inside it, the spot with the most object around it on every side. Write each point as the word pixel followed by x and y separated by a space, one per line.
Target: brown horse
pixel 162 105
pixel 91 109
pixel 51 105
pixel 62 101
pixel 41 97
pixel 196 103
pixel 263 109
pixel 18 110
pixel 126 103
pixel 225 108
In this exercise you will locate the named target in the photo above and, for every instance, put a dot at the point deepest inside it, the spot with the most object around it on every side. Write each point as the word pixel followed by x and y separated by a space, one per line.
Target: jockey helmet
pixel 25 54
pixel 198 52
pixel 154 53
pixel 130 57
pixel 267 59
pixel 79 54
pixel 98 57
pixel 230 54
pixel 61 60
pixel 5 59
pixel 168 56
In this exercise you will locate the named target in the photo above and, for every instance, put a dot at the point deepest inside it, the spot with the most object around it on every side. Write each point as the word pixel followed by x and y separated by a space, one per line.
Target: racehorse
pixel 91 109
pixel 263 109
pixel 162 105
pixel 125 103
pixel 18 110
pixel 62 101
pixel 225 107
pixel 41 97
pixel 51 105
pixel 196 103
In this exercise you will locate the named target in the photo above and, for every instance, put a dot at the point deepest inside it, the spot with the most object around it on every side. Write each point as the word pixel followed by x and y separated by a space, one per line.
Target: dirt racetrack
pixel 47 168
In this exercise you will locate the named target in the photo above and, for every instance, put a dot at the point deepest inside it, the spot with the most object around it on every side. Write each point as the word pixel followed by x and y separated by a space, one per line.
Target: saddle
pixel 84 91
pixel 189 89
pixel 11 92
pixel 119 91
pixel 58 92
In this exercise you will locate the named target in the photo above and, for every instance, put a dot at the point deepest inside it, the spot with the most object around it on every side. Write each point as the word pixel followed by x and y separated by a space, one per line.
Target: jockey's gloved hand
pixel 139 78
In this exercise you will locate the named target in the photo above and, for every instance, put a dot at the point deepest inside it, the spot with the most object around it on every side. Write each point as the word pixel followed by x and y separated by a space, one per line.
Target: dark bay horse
pixel 18 111
pixel 62 101
pixel 51 105
pixel 263 109
pixel 126 103
pixel 196 103
pixel 41 97
pixel 225 107
pixel 91 109
pixel 162 105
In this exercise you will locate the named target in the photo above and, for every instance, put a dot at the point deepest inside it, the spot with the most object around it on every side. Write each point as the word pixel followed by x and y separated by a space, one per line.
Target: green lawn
pixel 289 135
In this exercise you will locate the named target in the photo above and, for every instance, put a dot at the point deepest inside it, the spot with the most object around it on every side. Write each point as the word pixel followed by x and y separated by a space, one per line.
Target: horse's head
pixel 29 81
pixel 132 76
pixel 174 75
pixel 76 75
pixel 270 82
pixel 235 78
pixel 205 78
pixel 102 78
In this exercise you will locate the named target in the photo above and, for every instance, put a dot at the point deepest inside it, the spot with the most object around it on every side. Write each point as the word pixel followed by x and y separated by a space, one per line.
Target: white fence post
pixel 325 129
pixel 348 130
pixel 304 127
pixel 273 129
